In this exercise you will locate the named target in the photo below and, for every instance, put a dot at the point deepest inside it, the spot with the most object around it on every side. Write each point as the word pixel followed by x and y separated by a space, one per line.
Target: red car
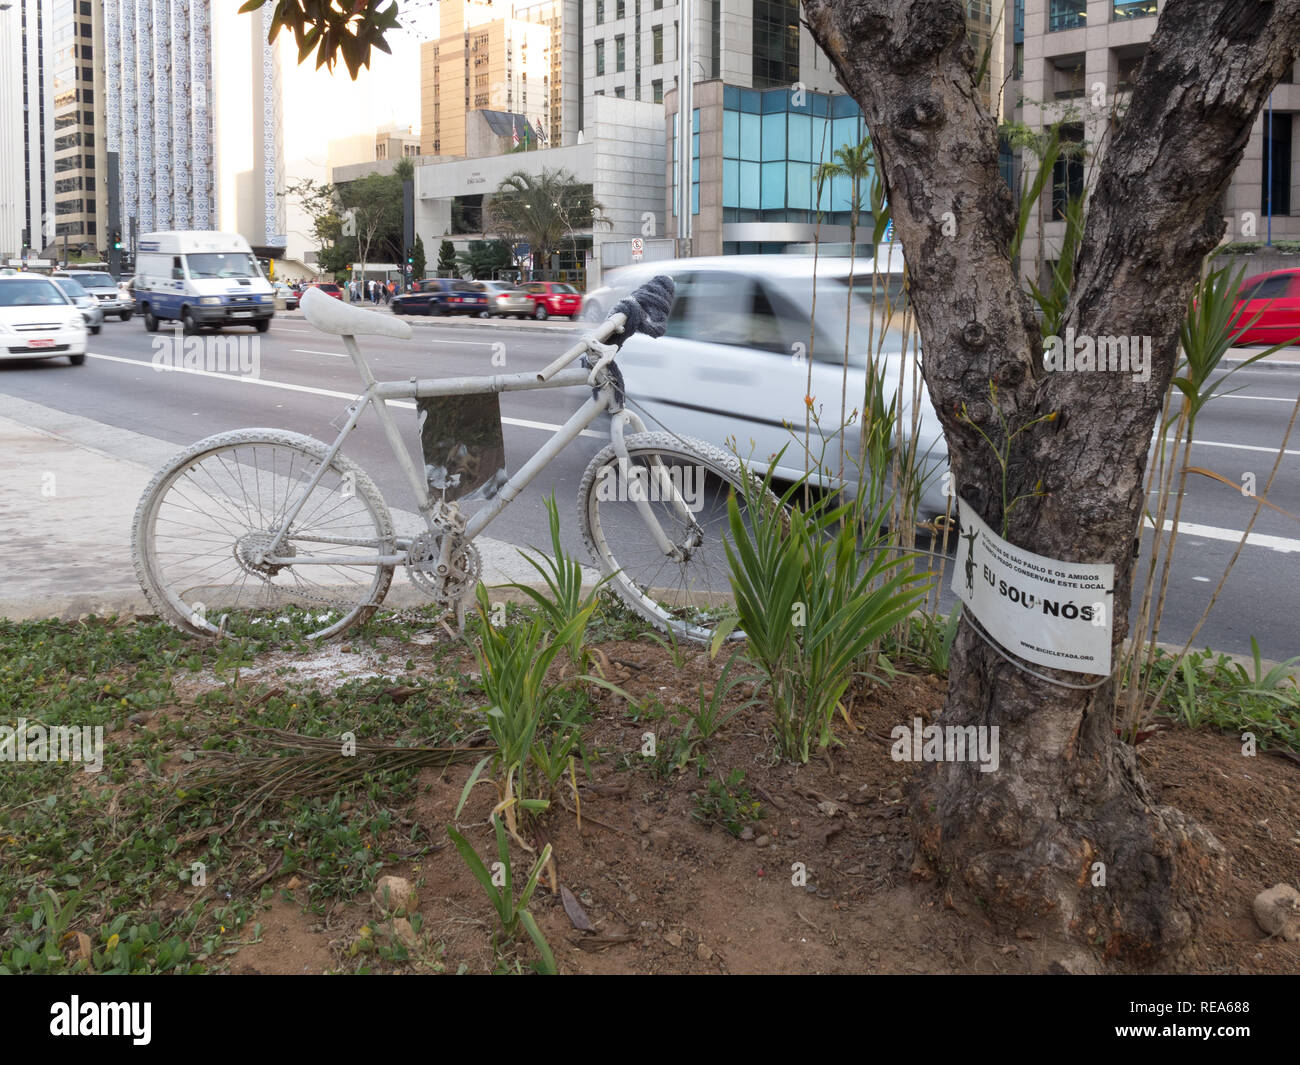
pixel 327 287
pixel 553 298
pixel 1268 305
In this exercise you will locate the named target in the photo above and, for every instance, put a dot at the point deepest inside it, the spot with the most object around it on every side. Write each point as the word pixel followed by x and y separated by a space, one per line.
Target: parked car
pixel 38 321
pixel 85 303
pixel 101 286
pixel 553 299
pixel 1268 306
pixel 734 362
pixel 506 300
pixel 327 287
pixel 442 295
pixel 286 293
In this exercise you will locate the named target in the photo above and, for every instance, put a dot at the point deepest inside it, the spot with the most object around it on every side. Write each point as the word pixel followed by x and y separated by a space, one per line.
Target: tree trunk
pixel 1025 839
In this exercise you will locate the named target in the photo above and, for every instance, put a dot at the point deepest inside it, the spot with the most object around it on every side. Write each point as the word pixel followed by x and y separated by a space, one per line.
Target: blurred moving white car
pixel 37 321
pixel 733 366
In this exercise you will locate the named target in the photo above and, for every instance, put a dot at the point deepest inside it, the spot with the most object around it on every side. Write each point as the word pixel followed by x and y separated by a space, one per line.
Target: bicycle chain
pixel 389 613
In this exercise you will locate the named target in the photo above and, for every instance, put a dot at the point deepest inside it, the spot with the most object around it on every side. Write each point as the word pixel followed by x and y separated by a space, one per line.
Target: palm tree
pixel 852 161
pixel 542 209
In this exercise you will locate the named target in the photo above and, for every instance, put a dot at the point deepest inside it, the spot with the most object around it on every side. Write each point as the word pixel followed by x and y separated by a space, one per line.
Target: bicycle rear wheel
pixel 205 516
pixel 689 594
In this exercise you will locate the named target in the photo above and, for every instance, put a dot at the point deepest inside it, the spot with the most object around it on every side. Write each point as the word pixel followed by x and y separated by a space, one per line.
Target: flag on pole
pixel 514 135
pixel 541 133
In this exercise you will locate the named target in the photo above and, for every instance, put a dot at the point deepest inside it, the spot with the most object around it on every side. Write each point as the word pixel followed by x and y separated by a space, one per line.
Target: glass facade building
pixel 772 145
pixel 762 152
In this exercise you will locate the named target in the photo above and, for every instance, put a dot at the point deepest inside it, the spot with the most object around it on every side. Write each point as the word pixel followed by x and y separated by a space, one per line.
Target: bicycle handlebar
pixel 644 311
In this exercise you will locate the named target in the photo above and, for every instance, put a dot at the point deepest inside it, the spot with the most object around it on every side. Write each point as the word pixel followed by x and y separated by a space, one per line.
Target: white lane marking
pixel 469 343
pixel 1235 447
pixel 310 351
pixel 1258 399
pixel 522 423
pixel 1284 544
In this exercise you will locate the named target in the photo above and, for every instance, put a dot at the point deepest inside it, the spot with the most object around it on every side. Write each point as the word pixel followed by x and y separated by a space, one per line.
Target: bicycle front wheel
pixel 207 519
pixel 688 591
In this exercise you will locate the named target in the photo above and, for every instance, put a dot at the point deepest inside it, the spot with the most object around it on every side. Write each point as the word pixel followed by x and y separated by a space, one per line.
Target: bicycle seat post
pixel 363 367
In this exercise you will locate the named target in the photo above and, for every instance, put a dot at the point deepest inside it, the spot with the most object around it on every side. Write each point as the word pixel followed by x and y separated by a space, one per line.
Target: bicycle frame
pixel 378 393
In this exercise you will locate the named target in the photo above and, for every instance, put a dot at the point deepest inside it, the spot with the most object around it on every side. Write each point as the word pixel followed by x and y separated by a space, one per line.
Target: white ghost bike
pixel 252 530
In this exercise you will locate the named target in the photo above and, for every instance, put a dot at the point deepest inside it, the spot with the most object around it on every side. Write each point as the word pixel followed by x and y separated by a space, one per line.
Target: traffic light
pixel 116 239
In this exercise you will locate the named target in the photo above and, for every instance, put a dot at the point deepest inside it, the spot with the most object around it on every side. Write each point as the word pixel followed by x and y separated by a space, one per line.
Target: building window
pixel 659 5
pixel 1067 15
pixel 1123 9
pixel 657 45
pixel 776 43
pixel 600 58
pixel 657 88
pixel 1018 62
pixel 620 10
pixel 1277 164
pixel 620 58
pixel 600 11
pixel 620 92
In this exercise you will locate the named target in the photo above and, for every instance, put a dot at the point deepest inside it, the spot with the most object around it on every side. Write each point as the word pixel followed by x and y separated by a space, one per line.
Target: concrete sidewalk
pixel 67 505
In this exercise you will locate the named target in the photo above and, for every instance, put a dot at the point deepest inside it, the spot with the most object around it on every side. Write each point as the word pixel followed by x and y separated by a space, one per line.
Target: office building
pixel 482 60
pixel 1076 61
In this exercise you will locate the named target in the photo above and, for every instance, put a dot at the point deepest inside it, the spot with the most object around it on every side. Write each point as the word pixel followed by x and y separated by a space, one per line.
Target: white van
pixel 201 279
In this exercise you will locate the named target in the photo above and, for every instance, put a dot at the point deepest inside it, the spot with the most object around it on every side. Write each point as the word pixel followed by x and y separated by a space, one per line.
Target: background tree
pixel 374 205
pixel 446 259
pixel 1025 840
pixel 418 262
pixel 544 210
pixel 320 201
pixel 483 258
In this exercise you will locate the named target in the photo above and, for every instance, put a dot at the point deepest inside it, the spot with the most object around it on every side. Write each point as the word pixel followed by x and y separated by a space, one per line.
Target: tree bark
pixel 1024 840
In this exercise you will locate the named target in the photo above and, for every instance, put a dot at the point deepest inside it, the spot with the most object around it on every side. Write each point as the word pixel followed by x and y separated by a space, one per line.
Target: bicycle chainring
pixel 447 589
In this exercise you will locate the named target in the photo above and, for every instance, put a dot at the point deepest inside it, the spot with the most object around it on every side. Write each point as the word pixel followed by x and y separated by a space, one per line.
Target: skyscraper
pixel 195 153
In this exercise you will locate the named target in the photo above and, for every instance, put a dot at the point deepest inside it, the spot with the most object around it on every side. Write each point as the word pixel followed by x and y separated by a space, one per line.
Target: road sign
pixel 638 247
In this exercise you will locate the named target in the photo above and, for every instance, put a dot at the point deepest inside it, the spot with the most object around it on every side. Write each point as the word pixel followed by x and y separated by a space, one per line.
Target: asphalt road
pixel 305 381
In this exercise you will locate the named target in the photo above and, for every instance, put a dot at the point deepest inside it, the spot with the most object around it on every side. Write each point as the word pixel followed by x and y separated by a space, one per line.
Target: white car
pixel 733 366
pixel 37 321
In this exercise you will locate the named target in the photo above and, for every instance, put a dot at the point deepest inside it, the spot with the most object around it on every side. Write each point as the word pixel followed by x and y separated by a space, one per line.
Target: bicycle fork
pixel 663 489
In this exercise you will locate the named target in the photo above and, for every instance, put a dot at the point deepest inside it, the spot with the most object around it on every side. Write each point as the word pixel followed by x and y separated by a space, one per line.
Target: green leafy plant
pixel 727 802
pixel 811 597
pixel 511 912
pixel 521 709
pixel 565 603
pixel 710 713
pixel 1002 450
pixel 1210 327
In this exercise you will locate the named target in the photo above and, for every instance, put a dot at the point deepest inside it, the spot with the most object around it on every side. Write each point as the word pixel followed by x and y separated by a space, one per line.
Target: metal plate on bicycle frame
pixel 463 445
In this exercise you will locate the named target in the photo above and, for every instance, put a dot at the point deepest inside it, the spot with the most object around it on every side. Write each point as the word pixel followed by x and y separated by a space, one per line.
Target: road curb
pixel 1276 366
pixel 464 321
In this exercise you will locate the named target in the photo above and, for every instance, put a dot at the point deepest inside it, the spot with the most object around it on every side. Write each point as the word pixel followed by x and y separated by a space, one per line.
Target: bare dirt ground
pixel 822 883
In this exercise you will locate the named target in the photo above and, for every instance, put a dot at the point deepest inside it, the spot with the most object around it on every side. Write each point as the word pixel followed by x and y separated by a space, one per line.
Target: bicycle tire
pixel 196 600
pixel 695 612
